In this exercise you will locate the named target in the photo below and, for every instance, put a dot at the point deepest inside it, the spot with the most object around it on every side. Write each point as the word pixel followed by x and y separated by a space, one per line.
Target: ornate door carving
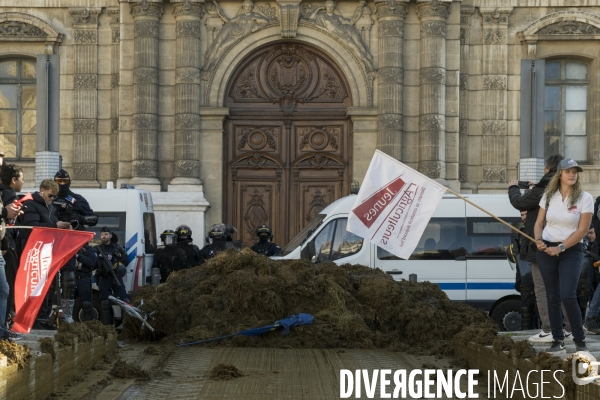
pixel 288 147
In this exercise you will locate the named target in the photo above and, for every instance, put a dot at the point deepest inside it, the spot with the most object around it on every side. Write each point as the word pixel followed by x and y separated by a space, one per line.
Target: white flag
pixel 394 205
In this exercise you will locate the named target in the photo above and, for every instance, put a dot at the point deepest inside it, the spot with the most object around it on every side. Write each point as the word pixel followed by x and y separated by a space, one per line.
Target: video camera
pixel 66 212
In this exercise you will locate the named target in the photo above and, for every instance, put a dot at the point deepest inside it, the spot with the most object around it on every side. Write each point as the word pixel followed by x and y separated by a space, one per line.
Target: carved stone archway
pixel 287 139
pixel 22 27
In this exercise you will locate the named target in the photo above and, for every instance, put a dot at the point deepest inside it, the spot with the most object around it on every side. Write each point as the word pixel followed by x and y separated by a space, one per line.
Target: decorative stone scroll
pixel 433 169
pixel 494 174
pixel 327 17
pixel 145 75
pixel 435 122
pixel 569 28
pixel 84 126
pixel 246 22
pixel 187 75
pixel 145 168
pixel 187 168
pixel 187 121
pixel 495 36
pixel 144 8
pixel 15 28
pixel 84 16
pixel 116 36
pixel 497 127
pixel 391 75
pixel 82 36
pixel 85 81
pixel 433 9
pixel 145 28
pixel 84 171
pixel 433 28
pixel 494 82
pixel 188 28
pixel 432 75
pixel 188 8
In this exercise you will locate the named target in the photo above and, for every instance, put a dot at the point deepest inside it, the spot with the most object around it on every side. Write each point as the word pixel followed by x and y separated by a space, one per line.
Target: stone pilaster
pixel 187 92
pixel 494 141
pixel 390 77
pixel 85 96
pixel 115 27
pixel 145 91
pixel 466 14
pixel 432 77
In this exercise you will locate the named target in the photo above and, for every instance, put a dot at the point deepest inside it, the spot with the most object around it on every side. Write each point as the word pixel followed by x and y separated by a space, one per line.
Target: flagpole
pixel 492 215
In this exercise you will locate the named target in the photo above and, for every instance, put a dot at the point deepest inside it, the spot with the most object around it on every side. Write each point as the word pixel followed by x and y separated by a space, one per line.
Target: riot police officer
pixel 85 264
pixel 185 242
pixel 220 237
pixel 69 207
pixel 264 245
pixel 110 274
pixel 169 257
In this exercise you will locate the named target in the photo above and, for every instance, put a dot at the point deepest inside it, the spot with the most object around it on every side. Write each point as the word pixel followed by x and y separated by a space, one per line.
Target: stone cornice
pixel 147 9
pixel 434 8
pixel 85 17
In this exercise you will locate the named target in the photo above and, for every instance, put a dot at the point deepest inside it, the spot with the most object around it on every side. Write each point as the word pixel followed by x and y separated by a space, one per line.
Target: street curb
pixel 43 375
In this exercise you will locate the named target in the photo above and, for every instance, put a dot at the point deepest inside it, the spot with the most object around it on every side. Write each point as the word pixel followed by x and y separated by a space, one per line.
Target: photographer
pixel 110 273
pixel 70 208
pixel 37 212
pixel 530 202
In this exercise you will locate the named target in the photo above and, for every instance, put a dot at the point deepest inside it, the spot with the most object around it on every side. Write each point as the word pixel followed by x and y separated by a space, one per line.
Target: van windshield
pixel 304 233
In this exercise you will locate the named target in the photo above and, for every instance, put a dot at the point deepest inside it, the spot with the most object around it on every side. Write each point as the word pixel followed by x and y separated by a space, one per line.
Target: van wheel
pixel 508 315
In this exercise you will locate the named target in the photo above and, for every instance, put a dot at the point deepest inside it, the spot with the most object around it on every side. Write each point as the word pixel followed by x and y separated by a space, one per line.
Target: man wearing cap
pixel 67 200
pixel 107 282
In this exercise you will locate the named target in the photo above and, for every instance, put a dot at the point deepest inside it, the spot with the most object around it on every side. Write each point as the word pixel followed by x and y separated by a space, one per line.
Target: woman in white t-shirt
pixel 567 212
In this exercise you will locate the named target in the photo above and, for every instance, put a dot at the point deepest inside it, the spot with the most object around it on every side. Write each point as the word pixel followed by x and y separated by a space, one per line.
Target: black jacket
pixel 116 254
pixel 530 202
pixel 86 260
pixel 36 213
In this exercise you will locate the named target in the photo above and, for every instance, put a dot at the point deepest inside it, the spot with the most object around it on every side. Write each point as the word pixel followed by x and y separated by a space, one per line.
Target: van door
pixel 440 254
pixel 489 275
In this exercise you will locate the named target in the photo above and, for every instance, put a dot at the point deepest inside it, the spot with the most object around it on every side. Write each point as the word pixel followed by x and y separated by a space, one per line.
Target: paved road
pixel 182 373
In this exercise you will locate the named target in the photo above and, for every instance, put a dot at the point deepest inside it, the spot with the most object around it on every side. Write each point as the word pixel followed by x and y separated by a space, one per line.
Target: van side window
pixel 149 233
pixel 443 239
pixel 335 242
pixel 487 237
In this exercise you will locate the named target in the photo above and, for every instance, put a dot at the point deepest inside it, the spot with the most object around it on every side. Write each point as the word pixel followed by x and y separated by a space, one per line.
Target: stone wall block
pixel 186 98
pixel 494 150
pixel 85 103
pixel 146 52
pixel 495 106
pixel 86 58
pixel 433 99
pixel 146 97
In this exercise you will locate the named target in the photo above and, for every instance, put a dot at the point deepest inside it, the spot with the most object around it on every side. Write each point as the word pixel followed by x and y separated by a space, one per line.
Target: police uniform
pixel 266 248
pixel 169 258
pixel 85 264
pixel 106 284
pixel 185 242
pixel 220 238
pixel 264 245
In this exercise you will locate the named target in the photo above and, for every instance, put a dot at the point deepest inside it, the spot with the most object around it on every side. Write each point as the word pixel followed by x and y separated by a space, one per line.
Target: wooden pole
pixel 492 215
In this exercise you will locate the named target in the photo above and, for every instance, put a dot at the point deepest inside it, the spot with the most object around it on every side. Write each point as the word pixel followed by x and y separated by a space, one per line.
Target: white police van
pixel 128 213
pixel 462 250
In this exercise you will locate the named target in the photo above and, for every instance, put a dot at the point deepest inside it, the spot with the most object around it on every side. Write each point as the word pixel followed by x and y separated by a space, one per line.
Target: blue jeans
pixel 561 275
pixel 594 309
pixel 4 291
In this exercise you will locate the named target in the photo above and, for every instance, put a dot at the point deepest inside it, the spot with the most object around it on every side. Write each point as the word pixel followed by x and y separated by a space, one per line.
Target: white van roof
pixel 344 205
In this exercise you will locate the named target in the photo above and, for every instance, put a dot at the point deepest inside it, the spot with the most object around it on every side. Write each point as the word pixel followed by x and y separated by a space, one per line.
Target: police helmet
pixel 168 237
pixel 230 230
pixel 264 230
pixel 183 233
pixel 218 231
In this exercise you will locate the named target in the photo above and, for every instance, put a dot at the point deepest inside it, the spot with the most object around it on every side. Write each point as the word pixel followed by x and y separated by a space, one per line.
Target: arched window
pixel 566 109
pixel 17 108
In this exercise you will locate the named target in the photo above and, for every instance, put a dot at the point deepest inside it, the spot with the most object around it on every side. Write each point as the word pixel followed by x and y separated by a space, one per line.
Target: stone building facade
pixel 265 112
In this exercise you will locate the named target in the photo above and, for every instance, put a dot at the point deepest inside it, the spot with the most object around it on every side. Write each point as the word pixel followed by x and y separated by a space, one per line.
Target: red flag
pixel 46 251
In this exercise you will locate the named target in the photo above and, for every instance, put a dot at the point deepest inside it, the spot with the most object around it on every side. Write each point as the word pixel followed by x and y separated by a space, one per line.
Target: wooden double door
pixel 287 140
pixel 283 173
